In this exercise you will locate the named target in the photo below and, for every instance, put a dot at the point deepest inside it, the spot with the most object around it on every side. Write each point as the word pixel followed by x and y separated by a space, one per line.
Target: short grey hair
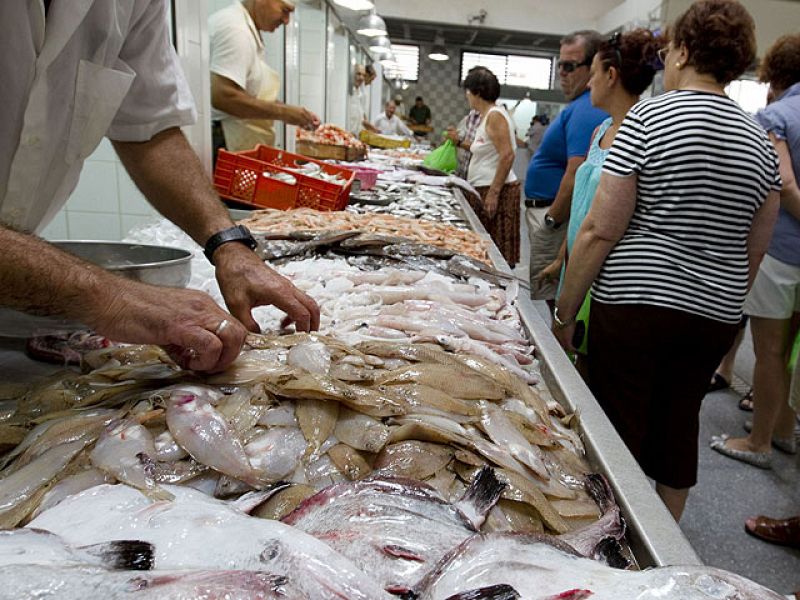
pixel 590 39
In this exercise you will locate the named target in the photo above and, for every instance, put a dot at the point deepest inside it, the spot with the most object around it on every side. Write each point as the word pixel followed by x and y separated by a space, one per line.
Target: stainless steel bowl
pixel 156 265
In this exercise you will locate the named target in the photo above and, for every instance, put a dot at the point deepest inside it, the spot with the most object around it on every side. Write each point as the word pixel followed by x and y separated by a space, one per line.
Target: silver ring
pixel 222 326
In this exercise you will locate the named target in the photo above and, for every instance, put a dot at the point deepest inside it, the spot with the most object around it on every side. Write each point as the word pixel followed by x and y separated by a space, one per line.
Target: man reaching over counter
pixel 244 89
pixel 108 68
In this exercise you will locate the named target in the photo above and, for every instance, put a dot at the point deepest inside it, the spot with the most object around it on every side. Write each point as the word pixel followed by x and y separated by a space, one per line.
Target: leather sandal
pixel 785 532
pixel 787 445
pixel 718 382
pixel 762 460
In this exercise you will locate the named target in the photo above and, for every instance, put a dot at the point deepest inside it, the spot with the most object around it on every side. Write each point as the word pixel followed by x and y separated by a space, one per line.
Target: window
pixel 511 69
pixel 407 61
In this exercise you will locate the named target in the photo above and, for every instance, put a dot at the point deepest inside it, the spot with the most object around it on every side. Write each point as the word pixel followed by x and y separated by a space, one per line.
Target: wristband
pixel 559 323
pixel 238 233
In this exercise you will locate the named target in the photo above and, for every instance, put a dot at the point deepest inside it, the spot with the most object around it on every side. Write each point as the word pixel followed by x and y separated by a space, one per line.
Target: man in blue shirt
pixel 551 173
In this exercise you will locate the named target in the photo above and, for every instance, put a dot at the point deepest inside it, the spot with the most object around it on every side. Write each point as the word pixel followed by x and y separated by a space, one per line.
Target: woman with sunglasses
pixel 622 68
pixel 676 232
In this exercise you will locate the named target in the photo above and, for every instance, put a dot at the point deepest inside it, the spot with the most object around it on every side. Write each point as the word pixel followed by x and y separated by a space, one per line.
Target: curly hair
pixel 634 54
pixel 781 65
pixel 720 37
pixel 481 82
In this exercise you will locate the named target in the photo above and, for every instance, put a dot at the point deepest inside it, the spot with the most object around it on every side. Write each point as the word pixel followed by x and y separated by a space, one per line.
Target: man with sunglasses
pixel 551 173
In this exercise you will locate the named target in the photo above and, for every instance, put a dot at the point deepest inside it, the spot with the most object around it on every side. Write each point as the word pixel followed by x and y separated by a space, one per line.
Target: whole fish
pixel 393 528
pixel 195 531
pixel 541 567
pixel 126 451
pixel 35 547
pixel 34 582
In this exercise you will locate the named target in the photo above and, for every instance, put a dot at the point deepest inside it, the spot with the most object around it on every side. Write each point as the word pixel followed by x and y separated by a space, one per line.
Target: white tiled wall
pixel 106 204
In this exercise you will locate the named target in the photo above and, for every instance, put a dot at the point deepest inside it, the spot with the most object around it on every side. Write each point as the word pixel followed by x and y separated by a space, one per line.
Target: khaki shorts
pixel 776 291
pixel 545 244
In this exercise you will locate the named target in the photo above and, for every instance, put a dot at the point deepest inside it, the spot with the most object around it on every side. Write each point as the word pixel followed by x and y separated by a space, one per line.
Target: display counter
pixel 655 538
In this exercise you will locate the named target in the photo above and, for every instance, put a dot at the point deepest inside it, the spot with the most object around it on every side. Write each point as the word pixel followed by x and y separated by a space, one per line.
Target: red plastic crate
pixel 240 176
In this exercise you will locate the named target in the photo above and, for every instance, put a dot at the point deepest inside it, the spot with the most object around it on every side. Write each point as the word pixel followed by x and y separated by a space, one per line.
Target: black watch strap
pixel 238 233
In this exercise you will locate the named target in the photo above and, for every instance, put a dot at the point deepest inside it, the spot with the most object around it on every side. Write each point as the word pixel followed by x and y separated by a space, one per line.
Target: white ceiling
pixel 545 16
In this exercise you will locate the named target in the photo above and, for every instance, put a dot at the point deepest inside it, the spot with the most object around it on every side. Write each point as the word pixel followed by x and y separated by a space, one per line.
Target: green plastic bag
pixel 444 158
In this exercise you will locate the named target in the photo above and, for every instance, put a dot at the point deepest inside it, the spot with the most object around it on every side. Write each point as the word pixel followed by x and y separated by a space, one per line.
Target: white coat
pixel 92 68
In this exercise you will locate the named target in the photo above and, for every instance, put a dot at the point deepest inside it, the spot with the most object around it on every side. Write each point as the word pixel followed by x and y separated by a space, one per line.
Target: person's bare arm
pixel 497 130
pixel 761 234
pixel 40 279
pixel 790 192
pixel 562 203
pixel 184 196
pixel 228 97
pixel 603 227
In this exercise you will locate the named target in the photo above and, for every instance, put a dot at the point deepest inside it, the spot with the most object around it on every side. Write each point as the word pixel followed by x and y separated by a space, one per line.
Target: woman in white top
pixel 490 166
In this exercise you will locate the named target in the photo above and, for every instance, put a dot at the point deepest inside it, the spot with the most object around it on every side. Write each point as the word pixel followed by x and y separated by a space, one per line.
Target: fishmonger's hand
pixel 192 328
pixel 246 282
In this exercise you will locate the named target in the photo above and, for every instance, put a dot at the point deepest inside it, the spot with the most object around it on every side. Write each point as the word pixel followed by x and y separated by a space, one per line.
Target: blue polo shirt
pixel 567 136
pixel 782 118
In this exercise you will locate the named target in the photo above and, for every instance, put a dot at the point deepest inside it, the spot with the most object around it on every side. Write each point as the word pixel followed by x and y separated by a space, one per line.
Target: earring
pixel 677 65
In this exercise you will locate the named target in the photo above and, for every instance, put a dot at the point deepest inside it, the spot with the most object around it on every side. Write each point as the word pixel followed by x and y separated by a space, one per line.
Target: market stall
pixel 437 367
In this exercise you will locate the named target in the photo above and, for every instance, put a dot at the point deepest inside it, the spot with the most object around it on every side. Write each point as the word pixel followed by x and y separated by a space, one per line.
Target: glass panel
pixel 529 72
pixel 496 63
pixel 407 61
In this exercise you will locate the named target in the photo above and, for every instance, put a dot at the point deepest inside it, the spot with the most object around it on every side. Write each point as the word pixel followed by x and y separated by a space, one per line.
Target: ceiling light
pixel 380 45
pixel 371 25
pixel 355 4
pixel 438 50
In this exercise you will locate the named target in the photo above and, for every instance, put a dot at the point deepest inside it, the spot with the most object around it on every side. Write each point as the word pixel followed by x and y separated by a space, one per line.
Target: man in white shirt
pixel 357 102
pixel 244 89
pixel 73 72
pixel 390 124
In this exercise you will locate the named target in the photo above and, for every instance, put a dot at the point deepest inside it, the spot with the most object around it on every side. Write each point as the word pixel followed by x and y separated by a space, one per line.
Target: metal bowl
pixel 156 265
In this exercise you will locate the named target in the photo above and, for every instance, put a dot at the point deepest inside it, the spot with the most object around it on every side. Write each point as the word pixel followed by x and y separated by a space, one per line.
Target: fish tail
pixel 158 494
pixel 610 550
pixel 502 591
pixel 124 555
pixel 599 489
pixel 481 495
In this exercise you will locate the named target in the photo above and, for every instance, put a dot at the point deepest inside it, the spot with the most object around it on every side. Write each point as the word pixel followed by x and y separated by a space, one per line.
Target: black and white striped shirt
pixel 704 167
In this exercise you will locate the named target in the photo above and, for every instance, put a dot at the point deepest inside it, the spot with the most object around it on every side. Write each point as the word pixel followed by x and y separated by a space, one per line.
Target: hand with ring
pixel 194 330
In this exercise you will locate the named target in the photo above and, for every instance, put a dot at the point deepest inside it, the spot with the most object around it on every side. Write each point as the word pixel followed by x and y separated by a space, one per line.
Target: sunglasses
pixel 568 66
pixel 662 54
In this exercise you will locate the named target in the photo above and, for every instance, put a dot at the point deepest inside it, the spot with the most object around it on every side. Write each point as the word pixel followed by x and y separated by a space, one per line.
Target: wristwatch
pixel 559 323
pixel 551 223
pixel 238 233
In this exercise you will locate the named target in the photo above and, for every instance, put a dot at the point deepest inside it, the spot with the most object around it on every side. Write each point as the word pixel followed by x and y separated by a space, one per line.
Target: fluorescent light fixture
pixel 371 25
pixel 355 4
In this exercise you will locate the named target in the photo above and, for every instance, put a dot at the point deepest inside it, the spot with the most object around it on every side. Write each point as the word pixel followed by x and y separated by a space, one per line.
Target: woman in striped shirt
pixel 682 217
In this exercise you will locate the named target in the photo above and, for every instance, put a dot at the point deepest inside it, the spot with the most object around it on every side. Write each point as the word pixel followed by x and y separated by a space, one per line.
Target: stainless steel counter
pixel 654 536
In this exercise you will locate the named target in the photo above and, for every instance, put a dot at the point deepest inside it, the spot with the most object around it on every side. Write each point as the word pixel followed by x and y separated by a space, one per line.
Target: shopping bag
pixel 444 158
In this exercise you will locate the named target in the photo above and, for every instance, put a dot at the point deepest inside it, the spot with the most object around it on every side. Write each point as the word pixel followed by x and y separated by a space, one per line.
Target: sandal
pixel 718 382
pixel 787 445
pixel 746 403
pixel 762 460
pixel 785 532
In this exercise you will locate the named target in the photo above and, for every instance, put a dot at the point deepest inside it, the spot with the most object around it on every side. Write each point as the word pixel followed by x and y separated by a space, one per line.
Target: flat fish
pixel 394 528
pixel 36 582
pixel 544 568
pixel 195 531
pixel 35 547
